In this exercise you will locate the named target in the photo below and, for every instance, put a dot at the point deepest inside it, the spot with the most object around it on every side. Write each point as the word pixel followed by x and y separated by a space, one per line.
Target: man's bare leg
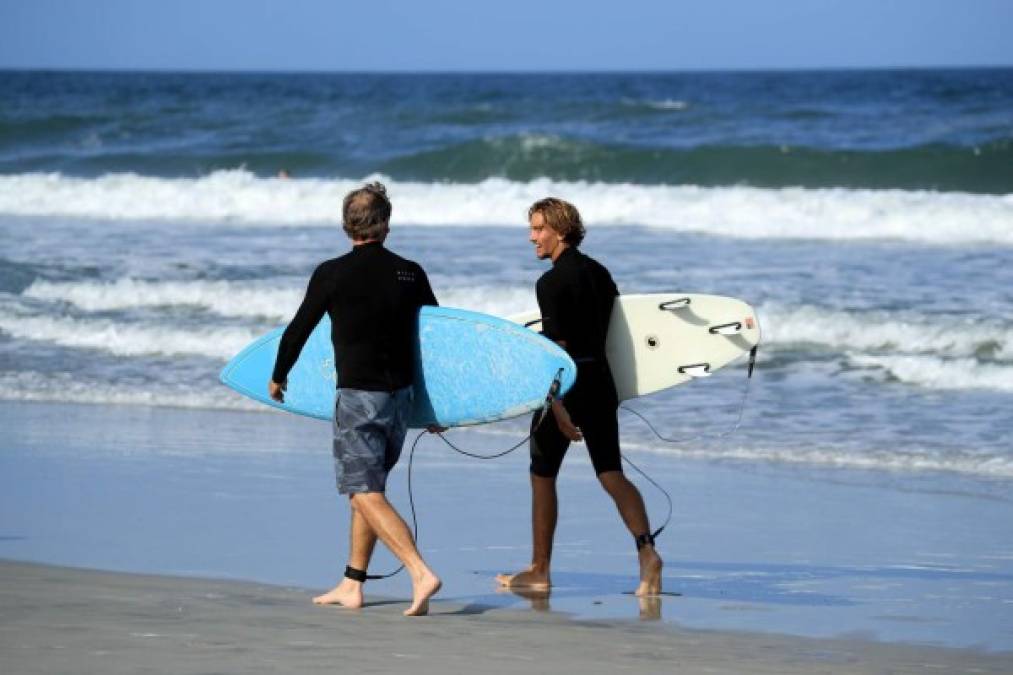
pixel 348 593
pixel 544 513
pixel 393 532
pixel 631 509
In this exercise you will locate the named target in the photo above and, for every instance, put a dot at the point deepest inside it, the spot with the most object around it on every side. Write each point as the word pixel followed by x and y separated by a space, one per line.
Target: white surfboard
pixel 660 340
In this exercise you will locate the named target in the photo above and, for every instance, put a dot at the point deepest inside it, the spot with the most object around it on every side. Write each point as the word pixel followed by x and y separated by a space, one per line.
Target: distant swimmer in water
pixel 575 298
pixel 373 298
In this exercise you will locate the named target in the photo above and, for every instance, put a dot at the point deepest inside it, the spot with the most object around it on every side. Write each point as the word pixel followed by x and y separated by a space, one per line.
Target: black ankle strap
pixel 356 575
pixel 644 539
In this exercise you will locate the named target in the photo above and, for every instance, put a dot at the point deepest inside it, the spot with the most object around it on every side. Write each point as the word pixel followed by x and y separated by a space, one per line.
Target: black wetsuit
pixel 575 298
pixel 373 297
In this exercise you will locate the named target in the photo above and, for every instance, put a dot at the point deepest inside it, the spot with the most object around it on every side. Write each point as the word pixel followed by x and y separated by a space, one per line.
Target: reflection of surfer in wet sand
pixel 575 298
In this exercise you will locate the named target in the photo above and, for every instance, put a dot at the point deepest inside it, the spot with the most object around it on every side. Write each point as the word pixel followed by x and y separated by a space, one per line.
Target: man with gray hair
pixel 373 298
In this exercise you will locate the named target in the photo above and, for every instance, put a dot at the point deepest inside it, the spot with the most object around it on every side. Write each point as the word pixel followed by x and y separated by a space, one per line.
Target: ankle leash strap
pixel 356 575
pixel 644 539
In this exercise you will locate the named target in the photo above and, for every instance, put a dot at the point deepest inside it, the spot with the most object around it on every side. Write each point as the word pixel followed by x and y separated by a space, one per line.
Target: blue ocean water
pixel 146 236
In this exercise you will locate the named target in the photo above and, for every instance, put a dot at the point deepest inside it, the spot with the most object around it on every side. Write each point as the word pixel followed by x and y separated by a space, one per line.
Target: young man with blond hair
pixel 575 298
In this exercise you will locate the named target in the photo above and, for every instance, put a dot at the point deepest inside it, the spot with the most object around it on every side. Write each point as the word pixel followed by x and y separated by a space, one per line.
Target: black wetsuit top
pixel 576 298
pixel 373 297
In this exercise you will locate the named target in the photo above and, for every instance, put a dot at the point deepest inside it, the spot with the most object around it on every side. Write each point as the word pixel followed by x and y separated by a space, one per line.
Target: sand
pixel 65 620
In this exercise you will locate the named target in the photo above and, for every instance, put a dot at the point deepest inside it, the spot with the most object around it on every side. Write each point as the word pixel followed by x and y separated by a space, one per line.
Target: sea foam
pixel 128 339
pixel 904 332
pixel 274 300
pixel 931 351
pixel 887 459
pixel 239 197
pixel 933 372
pixel 205 394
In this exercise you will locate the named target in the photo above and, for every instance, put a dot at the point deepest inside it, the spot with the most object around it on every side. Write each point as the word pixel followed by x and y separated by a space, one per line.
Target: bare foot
pixel 529 578
pixel 347 594
pixel 539 597
pixel 423 588
pixel 650 572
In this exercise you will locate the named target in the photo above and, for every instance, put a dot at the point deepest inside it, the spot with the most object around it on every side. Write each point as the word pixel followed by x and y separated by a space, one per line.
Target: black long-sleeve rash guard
pixel 575 298
pixel 373 297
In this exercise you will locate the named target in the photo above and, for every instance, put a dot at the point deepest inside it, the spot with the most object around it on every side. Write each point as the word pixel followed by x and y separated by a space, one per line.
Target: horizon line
pixel 492 71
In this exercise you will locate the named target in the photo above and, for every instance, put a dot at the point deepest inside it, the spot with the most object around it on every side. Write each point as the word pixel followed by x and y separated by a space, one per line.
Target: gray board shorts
pixel 369 430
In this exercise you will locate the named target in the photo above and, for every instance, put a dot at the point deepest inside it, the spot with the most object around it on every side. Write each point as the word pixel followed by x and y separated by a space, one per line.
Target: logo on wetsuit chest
pixel 406 275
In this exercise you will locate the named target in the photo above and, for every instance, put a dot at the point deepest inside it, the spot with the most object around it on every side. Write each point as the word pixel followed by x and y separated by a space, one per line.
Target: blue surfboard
pixel 471 368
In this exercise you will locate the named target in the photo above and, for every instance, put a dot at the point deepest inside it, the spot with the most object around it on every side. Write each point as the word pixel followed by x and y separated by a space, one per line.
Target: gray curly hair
pixel 366 211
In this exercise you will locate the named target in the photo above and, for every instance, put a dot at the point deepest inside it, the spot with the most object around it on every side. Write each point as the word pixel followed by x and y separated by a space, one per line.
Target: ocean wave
pixel 931 352
pixel 67 388
pixel 662 105
pixel 898 332
pixel 226 298
pixel 53 128
pixel 909 460
pixel 239 197
pixel 579 155
pixel 925 351
pixel 937 373
pixel 273 300
pixel 128 339
pixel 522 157
pixel 667 104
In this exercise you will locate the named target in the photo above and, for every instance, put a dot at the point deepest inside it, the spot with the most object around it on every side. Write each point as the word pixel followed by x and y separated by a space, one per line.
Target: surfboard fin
pixel 696 370
pixel 733 328
pixel 675 304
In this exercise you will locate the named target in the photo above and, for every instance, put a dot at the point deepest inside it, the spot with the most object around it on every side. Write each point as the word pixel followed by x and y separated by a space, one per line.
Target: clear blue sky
pixel 524 35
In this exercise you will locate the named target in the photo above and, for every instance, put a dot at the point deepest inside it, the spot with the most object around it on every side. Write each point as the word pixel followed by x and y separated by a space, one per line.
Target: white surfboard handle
pixel 733 328
pixel 696 370
pixel 675 304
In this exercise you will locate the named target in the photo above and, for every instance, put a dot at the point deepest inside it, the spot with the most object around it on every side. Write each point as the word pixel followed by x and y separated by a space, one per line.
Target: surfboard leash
pixel 411 502
pixel 553 391
pixel 663 491
pixel 738 422
pixel 704 434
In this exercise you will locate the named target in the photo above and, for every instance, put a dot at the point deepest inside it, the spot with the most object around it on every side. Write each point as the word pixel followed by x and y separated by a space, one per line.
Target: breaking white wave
pixel 935 373
pixel 931 351
pixel 268 303
pixel 238 196
pixel 275 300
pixel 893 459
pixel 128 339
pixel 668 104
pixel 65 388
pixel 902 332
